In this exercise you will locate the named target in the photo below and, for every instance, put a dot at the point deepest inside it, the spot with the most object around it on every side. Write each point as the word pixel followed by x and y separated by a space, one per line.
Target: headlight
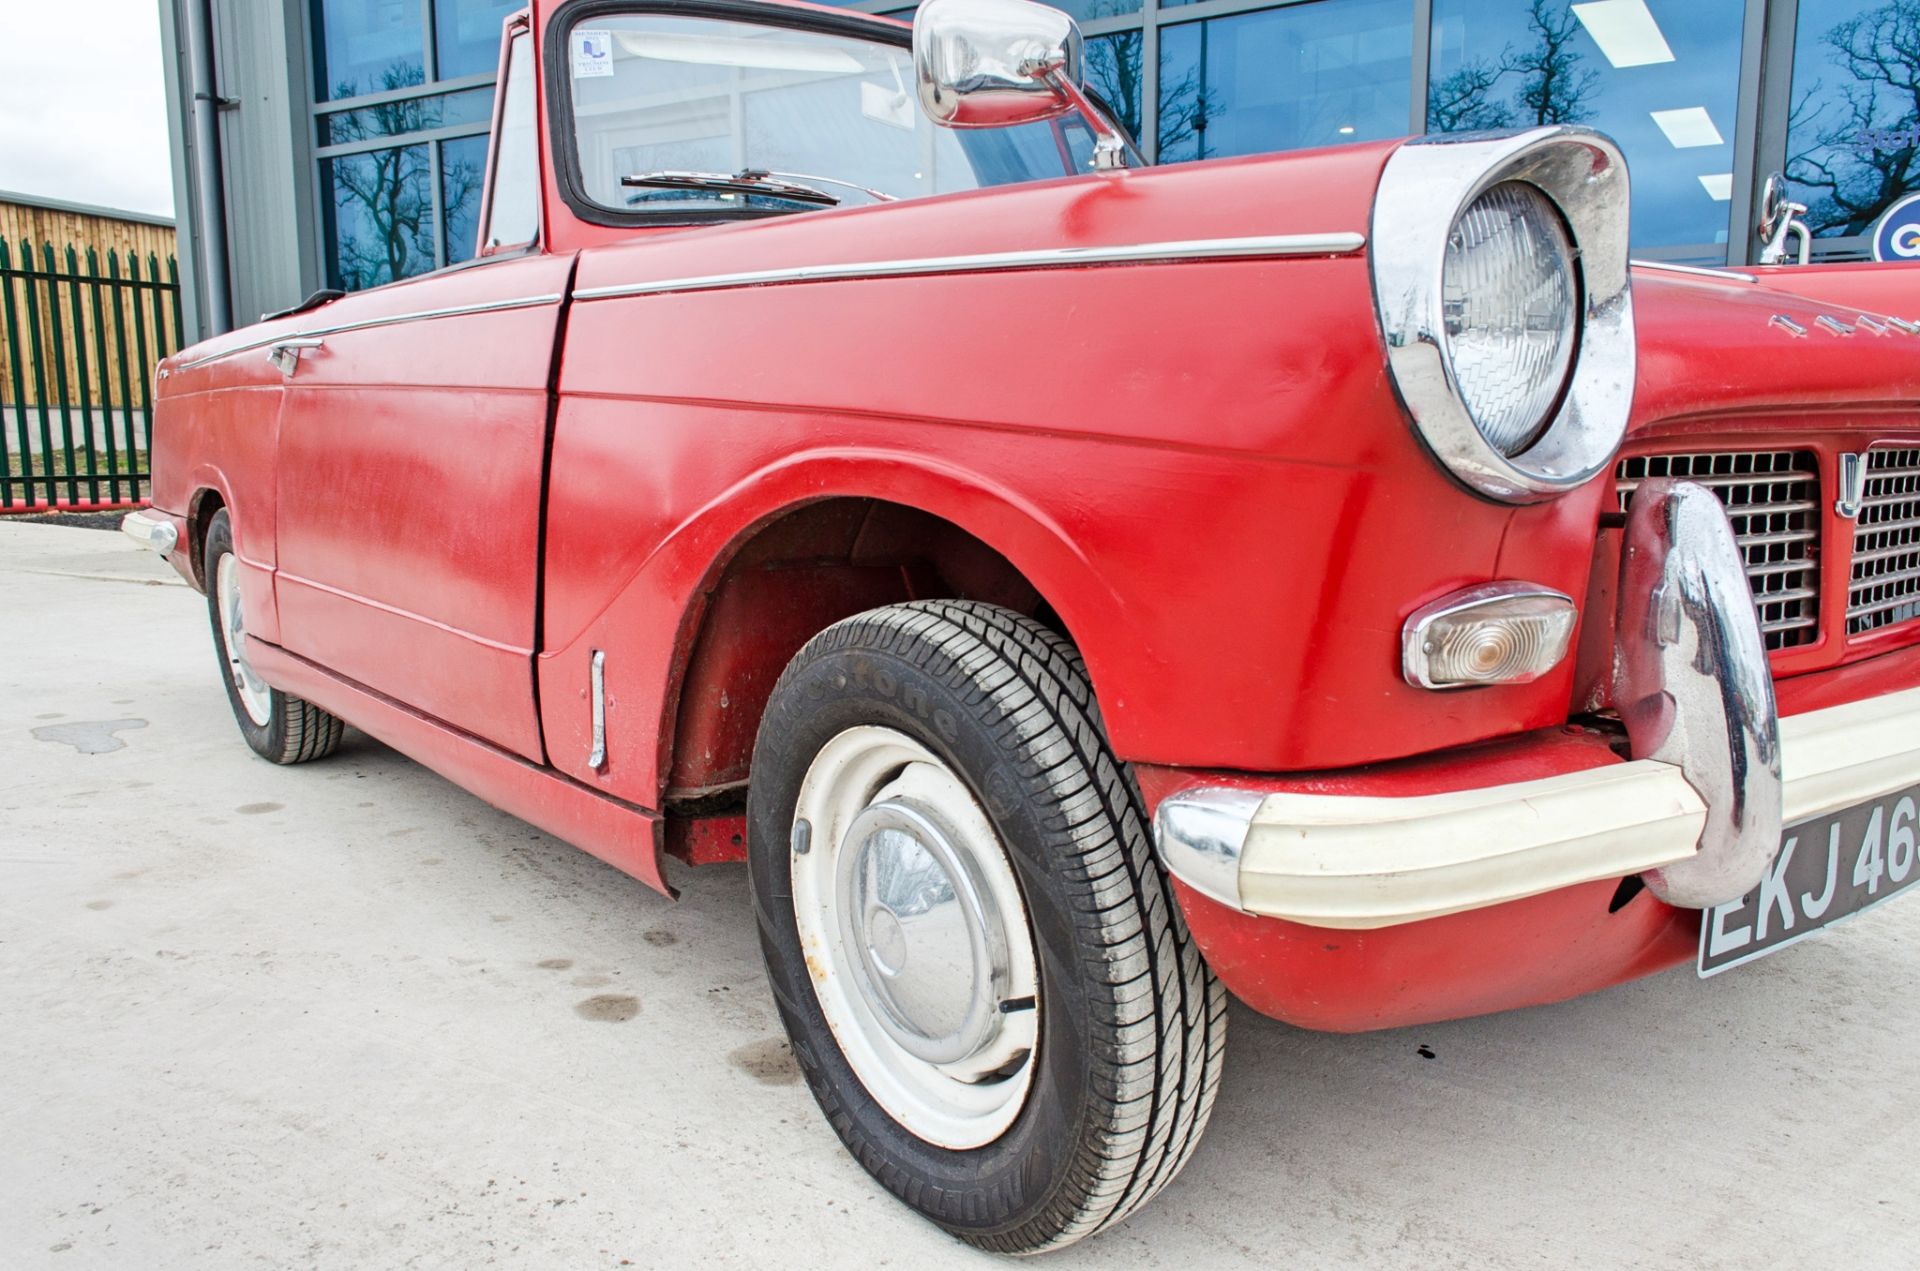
pixel 1508 290
pixel 1500 279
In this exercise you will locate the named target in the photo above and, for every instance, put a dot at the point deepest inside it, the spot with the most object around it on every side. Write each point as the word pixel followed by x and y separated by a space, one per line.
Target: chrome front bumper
pixel 1698 811
pixel 1344 861
pixel 150 531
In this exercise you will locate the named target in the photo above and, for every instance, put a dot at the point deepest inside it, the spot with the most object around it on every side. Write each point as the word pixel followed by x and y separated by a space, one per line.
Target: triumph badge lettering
pixel 1897 236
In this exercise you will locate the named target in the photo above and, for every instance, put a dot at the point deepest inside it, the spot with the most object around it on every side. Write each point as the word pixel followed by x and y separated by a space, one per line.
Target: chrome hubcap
pixel 916 936
pixel 929 946
pixel 255 697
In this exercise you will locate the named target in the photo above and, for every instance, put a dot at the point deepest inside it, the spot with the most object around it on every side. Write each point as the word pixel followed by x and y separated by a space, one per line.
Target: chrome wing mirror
pixel 1780 220
pixel 998 63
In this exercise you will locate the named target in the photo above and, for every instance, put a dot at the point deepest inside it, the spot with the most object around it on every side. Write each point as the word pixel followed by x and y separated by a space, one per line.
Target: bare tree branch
pixel 1858 145
pixel 388 191
pixel 1553 87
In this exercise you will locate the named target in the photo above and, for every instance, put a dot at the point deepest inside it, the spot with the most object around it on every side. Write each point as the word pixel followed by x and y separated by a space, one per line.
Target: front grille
pixel 1773 499
pixel 1886 543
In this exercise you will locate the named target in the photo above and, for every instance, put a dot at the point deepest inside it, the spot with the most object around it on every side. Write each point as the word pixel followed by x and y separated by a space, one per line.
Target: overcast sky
pixel 83 105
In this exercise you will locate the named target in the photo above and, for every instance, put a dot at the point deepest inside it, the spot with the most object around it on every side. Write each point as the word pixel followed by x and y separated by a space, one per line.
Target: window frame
pixel 562 147
pixel 517 27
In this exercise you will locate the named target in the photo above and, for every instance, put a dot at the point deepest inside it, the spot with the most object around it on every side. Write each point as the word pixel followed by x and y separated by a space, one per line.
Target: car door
pixel 412 445
pixel 412 455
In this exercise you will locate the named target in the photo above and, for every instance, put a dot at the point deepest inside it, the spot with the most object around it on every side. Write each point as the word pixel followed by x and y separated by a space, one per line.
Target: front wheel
pixel 278 726
pixel 976 958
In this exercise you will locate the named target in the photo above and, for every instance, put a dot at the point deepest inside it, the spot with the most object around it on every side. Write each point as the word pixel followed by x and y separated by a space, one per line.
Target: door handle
pixel 285 354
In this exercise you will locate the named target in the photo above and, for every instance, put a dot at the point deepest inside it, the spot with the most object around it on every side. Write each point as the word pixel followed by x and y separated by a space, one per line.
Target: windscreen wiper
pixel 746 181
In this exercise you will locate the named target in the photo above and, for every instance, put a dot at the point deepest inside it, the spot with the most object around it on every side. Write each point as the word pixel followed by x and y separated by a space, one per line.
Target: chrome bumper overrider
pixel 150 531
pixel 1698 810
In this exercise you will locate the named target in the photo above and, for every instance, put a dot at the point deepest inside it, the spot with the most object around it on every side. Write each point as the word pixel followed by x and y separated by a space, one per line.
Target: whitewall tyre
pixel 279 727
pixel 980 967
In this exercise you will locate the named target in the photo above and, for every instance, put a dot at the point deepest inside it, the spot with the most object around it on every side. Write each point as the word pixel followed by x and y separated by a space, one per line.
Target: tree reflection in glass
pixel 1282 79
pixel 1853 132
pixel 381 201
pixel 1660 77
pixel 1543 81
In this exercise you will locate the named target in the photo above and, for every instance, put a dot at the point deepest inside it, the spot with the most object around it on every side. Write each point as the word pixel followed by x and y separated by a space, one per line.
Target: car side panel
pixel 216 428
pixel 411 460
pixel 1274 440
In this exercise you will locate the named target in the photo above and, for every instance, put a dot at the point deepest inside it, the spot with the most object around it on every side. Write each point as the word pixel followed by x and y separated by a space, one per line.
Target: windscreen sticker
pixel 592 54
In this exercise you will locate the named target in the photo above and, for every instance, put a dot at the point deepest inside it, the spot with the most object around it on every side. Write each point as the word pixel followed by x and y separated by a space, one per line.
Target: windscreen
pixel 657 94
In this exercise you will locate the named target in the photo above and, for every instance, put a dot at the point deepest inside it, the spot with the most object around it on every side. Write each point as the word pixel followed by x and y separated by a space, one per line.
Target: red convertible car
pixel 1410 610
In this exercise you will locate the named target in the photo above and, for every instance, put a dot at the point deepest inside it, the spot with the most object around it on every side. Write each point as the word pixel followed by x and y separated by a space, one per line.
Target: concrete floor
pixel 346 1015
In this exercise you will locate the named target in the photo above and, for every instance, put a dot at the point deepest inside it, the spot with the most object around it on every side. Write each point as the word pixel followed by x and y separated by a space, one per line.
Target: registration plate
pixel 1829 868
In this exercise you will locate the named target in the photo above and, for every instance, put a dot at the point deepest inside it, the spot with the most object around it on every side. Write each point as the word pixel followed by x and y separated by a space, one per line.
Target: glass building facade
pixel 403 95
pixel 1705 97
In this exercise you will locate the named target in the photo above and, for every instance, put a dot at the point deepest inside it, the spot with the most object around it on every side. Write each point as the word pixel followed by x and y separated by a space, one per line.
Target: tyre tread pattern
pixel 296 730
pixel 310 732
pixel 1159 1029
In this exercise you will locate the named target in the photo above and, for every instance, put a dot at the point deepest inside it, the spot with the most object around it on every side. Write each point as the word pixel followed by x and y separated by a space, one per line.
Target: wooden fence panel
pixel 80 338
pixel 29 223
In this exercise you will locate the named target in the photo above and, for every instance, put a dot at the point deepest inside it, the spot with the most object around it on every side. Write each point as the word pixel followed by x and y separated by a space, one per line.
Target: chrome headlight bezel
pixel 1426 186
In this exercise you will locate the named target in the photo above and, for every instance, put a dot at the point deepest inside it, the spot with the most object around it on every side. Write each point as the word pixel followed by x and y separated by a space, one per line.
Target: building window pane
pixel 515 215
pixel 1094 10
pixel 414 114
pixel 367 46
pixel 1307 75
pixel 1662 80
pixel 463 167
pixel 1853 138
pixel 379 216
pixel 466 35
pixel 1113 71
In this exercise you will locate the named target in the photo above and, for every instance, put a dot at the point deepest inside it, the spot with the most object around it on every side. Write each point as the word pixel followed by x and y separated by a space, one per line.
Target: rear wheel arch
pixel 201 509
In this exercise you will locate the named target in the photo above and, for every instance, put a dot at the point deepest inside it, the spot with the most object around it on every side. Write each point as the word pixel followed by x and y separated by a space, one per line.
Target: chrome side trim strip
pixel 1274 245
pixel 235 351
pixel 597 758
pixel 386 320
pixel 1700 271
pixel 451 311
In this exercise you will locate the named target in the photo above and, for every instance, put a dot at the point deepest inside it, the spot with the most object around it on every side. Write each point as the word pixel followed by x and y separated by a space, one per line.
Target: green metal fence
pixel 79 341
